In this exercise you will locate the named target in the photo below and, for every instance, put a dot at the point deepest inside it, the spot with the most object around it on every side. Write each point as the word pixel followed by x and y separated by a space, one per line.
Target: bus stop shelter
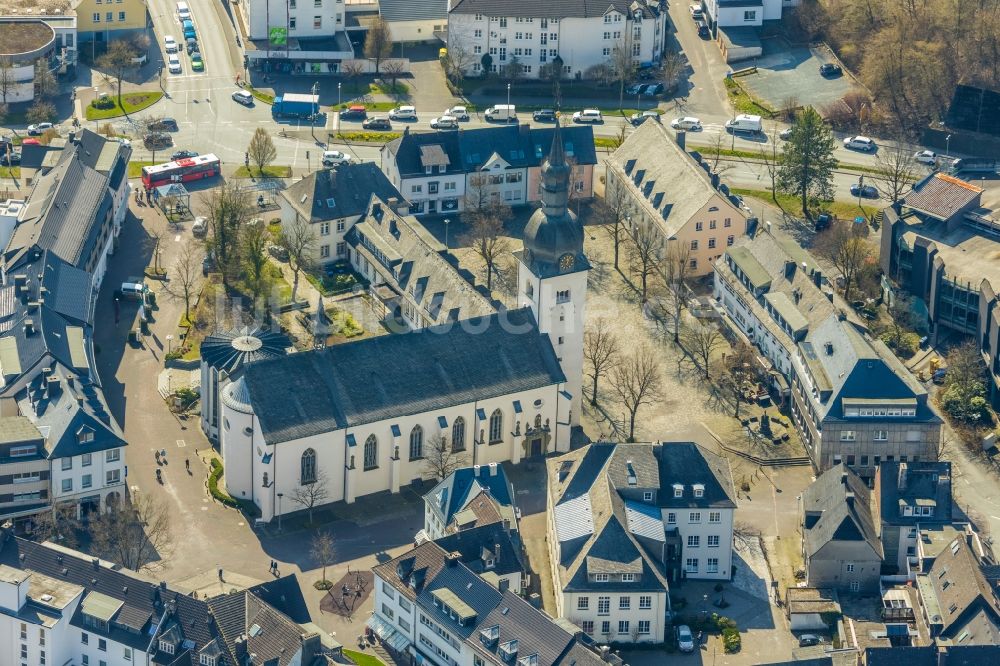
pixel 174 200
pixel 264 193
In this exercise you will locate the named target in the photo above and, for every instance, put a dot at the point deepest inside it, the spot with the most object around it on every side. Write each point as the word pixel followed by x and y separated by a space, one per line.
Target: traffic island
pixel 108 106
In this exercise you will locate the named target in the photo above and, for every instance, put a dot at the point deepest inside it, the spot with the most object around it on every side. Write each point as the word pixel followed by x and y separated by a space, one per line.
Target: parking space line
pixel 181 443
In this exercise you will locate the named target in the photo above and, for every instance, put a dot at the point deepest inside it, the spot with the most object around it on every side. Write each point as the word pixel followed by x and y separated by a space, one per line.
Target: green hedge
pixel 731 640
pixel 213 485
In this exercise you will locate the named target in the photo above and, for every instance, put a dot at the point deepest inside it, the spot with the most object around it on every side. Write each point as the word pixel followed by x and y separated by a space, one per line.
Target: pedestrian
pixel 220 573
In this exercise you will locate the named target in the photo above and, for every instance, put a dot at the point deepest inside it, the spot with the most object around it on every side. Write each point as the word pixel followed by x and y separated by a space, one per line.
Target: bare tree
pixel 746 536
pixel 637 382
pixel 392 70
pixel 895 171
pixel 229 210
pixel 715 153
pixel 155 243
pixel 8 80
pixel 622 65
pixel 672 67
pixel 486 238
pixel 672 284
pixel 4 110
pixel 323 549
pixel 298 239
pixel 117 62
pixel 135 534
pixel 40 112
pixel 740 373
pixel 45 82
pixel 770 156
pixel 440 459
pixel 59 524
pixel 186 275
pixel 847 250
pixel 253 242
pixel 619 138
pixel 352 71
pixel 513 70
pixel 261 150
pixel 311 495
pixel 601 351
pixel 644 252
pixel 460 56
pixel 702 341
pixel 615 212
pixel 378 42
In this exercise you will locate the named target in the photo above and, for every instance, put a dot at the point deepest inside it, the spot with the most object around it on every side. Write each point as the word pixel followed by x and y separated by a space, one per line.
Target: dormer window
pixel 84 435
pixel 601 578
pixel 647 496
pixel 699 489
pixel 678 490
pixel 166 647
pixel 206 660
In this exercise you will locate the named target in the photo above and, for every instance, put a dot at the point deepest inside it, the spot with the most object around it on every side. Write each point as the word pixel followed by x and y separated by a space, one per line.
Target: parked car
pixel 377 123
pixel 696 11
pixel 785 134
pixel 403 113
pixel 163 125
pixel 635 89
pixel 157 140
pixel 133 290
pixel 458 113
pixel 335 157
pixel 862 143
pixel 208 263
pixel 173 64
pixel 243 97
pixel 170 44
pixel 38 129
pixel 639 118
pixel 183 154
pixel 703 30
pixel 926 157
pixel 200 226
pixel 685 641
pixel 939 375
pixel 354 112
pixel 686 123
pixel 830 69
pixel 191 44
pixel 866 191
pixel 31 142
pixel 197 64
pixel 10 158
pixel 544 116
pixel 278 252
pixel 445 122
pixel 805 640
pixel 653 89
pixel 588 116
pixel 823 221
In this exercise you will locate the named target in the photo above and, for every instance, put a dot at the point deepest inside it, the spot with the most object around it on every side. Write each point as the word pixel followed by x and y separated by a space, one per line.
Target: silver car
pixel 685 641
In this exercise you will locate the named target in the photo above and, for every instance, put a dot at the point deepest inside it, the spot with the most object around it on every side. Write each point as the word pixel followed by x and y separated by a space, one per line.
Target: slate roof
pixel 840 519
pixel 473 543
pixel 396 375
pixel 909 482
pixel 349 187
pixel 666 179
pixel 970 609
pixel 953 655
pixel 554 9
pixel 453 493
pixel 482 509
pixel 415 265
pixel 408 150
pixel 230 351
pixel 941 196
pixel 407 10
pixel 688 463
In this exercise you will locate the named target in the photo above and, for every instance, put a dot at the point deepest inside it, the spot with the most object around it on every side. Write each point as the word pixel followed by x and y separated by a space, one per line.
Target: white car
pixel 38 129
pixel 862 143
pixel 445 122
pixel 200 226
pixel 686 123
pixel 588 116
pixel 335 157
pixel 174 63
pixel 403 113
pixel 243 97
pixel 170 44
pixel 458 113
pixel 696 11
pixel 926 157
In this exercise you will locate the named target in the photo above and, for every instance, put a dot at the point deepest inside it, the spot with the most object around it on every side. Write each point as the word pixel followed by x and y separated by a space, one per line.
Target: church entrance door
pixel 536 447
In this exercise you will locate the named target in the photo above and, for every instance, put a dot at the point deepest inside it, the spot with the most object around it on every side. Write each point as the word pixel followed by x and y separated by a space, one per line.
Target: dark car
pixel 377 124
pixel 544 116
pixel 157 140
pixel 9 158
pixel 192 45
pixel 183 154
pixel 939 375
pixel 806 640
pixel 163 125
pixel 830 69
pixel 703 30
pixel 354 112
pixel 823 221
pixel 653 89
pixel 208 263
pixel 866 191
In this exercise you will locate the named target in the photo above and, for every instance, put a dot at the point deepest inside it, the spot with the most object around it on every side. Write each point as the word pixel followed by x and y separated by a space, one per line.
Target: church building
pixel 370 416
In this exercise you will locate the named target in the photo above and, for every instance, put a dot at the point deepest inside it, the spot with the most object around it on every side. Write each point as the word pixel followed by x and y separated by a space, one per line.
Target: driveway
pixel 792 73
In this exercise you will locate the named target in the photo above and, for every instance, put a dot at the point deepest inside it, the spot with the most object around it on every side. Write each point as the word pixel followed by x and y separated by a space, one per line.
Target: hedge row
pixel 213 485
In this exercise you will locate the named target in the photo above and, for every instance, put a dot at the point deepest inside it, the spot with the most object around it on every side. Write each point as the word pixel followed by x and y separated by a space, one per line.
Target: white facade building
pixel 302 19
pixel 534 34
pixel 734 13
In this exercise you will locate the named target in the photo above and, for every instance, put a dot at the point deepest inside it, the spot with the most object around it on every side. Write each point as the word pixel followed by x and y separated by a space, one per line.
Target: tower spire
pixel 557 155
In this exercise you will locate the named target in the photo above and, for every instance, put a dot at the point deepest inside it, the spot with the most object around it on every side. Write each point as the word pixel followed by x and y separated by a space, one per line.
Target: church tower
pixel 552 271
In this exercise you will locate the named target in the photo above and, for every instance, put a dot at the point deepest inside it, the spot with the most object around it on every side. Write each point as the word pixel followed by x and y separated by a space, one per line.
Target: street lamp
pixel 338 95
pixel 947 145
pixel 315 89
pixel 280 495
pixel 170 338
pixel 446 221
pixel 508 94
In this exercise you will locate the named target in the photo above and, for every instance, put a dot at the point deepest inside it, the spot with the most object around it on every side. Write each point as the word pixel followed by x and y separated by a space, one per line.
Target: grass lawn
pixel 791 203
pixel 368 137
pixel 743 103
pixel 260 96
pixel 131 102
pixel 338 283
pixel 135 168
pixel 370 106
pixel 10 172
pixel 362 659
pixel 273 171
pixel 383 88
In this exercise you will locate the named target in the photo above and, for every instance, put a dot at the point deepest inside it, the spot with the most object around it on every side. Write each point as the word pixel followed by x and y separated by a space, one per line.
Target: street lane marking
pixel 181 444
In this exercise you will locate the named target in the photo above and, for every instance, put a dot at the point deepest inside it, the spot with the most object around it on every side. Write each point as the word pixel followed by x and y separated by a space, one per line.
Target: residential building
pixel 469 496
pixel 937 245
pixel 58 606
pixel 102 21
pixel 958 604
pixel 852 400
pixel 445 172
pixel 931 655
pixel 331 201
pixel 735 13
pixel 623 520
pixel 410 275
pixel 840 540
pixel 41 41
pixel 579 36
pixel 808 608
pixel 661 189
pixel 433 608
pixel 304 35
pixel 494 552
pixel 910 497
pixel 408 21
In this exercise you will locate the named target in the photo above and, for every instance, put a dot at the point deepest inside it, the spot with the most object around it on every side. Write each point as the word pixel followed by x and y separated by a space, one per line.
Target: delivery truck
pixel 295 105
pixel 745 123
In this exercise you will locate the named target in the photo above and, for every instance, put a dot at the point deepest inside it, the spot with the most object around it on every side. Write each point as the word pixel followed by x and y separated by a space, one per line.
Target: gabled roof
pixel 407 10
pixel 390 376
pixel 493 541
pixel 941 196
pixel 343 191
pixel 454 493
pixel 556 9
pixel 838 507
pixel 911 483
pixel 969 607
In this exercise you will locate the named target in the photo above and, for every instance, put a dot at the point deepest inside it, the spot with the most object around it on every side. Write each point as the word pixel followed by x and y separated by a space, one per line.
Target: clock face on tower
pixel 566 263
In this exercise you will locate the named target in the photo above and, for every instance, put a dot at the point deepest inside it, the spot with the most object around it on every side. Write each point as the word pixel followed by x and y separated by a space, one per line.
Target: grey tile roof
pixel 407 10
pixel 668 181
pixel 410 571
pixel 395 375
pixel 470 588
pixel 556 9
pixel 454 492
pixel 535 633
pixel 230 351
pixel 348 187
pixel 941 196
pixel 964 597
pixel 909 482
pixel 840 517
pixel 688 463
pixel 407 151
pixel 503 544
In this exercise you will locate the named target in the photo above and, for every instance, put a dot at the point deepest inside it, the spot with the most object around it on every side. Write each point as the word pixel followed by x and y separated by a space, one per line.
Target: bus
pixel 181 171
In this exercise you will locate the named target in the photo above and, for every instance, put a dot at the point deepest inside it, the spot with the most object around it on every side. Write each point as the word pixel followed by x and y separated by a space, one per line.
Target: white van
pixel 404 113
pixel 504 113
pixel 588 116
pixel 133 290
pixel 745 123
pixel 183 12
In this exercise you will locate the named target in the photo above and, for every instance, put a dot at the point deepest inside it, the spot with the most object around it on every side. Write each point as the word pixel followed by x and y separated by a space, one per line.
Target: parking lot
pixel 792 72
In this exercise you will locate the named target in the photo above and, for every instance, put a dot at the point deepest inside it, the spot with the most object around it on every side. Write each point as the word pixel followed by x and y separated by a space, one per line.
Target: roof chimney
pixel 682 139
pixel 789 268
pixel 29 326
pixel 829 348
pixel 451 559
pixel 849 498
pixel 493 469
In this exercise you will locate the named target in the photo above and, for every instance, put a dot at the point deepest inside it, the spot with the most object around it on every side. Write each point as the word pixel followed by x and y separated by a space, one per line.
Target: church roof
pixel 229 351
pixel 391 376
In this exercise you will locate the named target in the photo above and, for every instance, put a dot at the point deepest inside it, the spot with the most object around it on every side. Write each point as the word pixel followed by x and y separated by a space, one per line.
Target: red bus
pixel 189 168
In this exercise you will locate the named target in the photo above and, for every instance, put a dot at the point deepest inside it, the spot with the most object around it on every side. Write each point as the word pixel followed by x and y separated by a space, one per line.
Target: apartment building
pixel 469 496
pixel 735 13
pixel 663 189
pixel 102 21
pixel 579 35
